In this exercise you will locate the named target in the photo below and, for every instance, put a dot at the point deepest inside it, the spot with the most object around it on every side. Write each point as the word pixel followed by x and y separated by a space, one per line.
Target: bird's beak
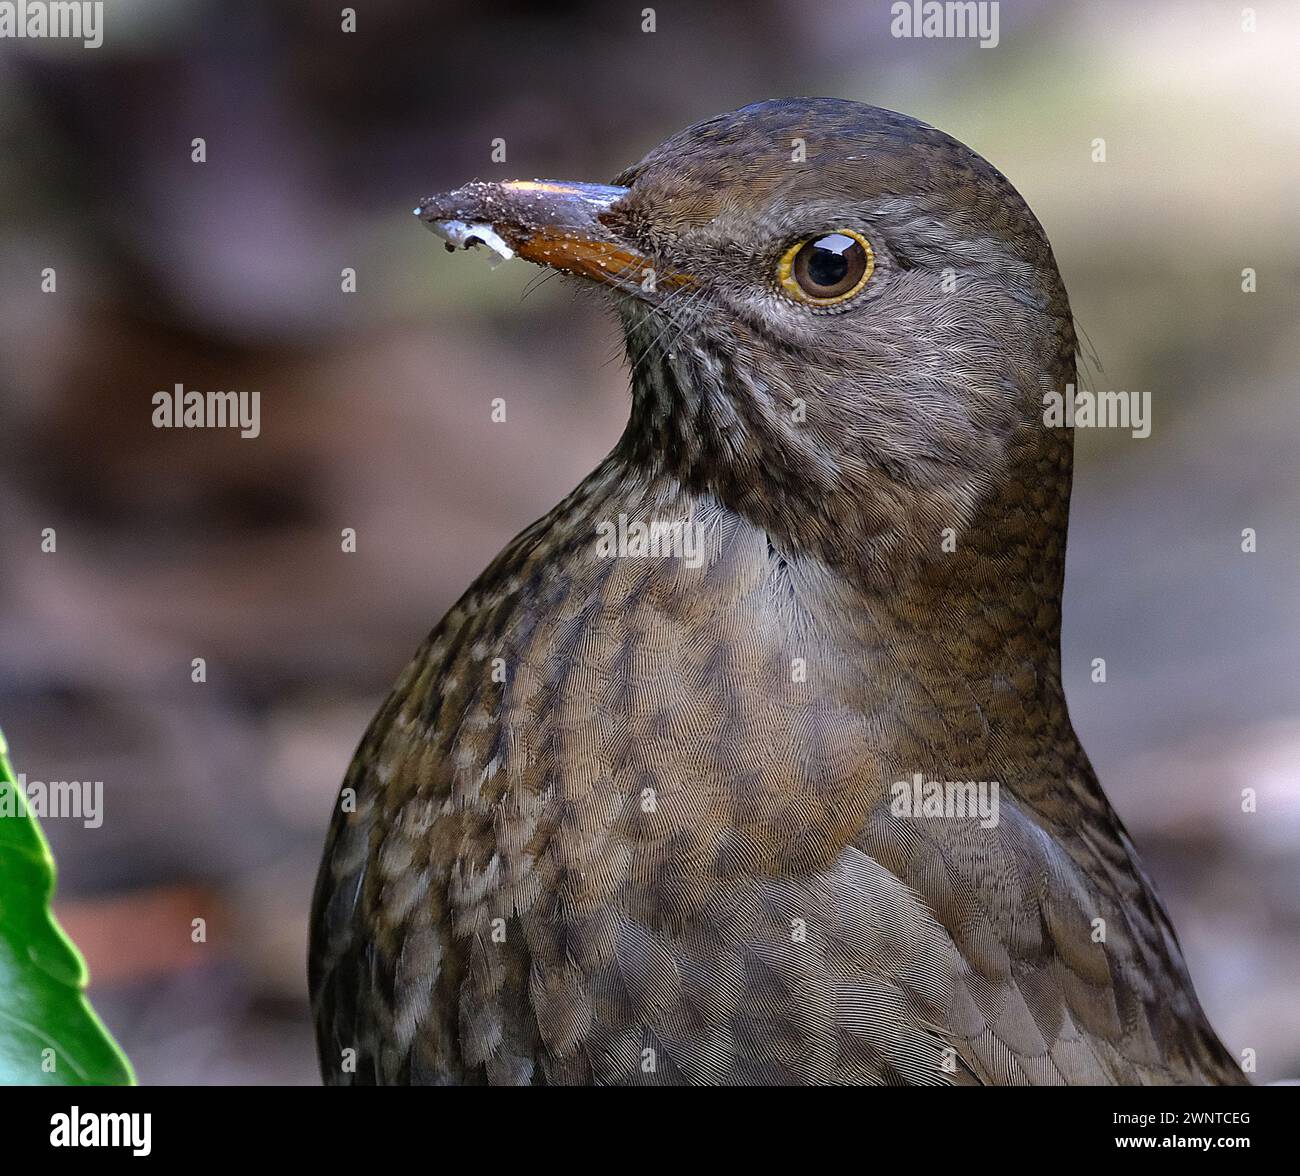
pixel 550 222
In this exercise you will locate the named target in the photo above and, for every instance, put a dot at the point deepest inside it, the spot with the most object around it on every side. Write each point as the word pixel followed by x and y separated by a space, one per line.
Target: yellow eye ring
pixel 827 269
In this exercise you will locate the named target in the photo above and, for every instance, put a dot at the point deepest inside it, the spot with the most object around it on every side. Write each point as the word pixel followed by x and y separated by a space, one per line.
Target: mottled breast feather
pixel 641 853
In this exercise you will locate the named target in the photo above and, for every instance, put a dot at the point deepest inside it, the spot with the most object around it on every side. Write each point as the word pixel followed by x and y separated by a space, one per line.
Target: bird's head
pixel 840 321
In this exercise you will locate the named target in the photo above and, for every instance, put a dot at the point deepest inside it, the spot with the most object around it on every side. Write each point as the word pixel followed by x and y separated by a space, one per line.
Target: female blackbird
pixel 750 762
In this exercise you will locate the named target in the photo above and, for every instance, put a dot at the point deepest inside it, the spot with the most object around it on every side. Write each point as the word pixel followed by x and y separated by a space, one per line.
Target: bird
pixel 750 763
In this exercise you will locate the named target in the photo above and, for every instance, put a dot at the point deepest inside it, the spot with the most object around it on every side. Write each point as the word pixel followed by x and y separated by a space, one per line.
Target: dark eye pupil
pixel 829 266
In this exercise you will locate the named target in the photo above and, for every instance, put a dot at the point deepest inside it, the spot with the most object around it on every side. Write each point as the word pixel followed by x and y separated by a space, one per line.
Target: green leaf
pixel 49 1034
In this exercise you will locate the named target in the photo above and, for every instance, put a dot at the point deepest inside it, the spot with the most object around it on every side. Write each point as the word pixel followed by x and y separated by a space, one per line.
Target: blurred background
pixel 227 274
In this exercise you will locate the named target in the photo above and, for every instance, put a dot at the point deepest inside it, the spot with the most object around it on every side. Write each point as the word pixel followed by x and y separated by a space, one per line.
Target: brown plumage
pixel 630 820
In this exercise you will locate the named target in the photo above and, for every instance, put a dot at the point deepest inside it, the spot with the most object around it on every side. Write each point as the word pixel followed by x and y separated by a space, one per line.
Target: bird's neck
pixel 957 666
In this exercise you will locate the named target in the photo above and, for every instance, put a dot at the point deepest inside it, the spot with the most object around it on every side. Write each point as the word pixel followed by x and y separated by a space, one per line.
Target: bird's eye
pixel 828 269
